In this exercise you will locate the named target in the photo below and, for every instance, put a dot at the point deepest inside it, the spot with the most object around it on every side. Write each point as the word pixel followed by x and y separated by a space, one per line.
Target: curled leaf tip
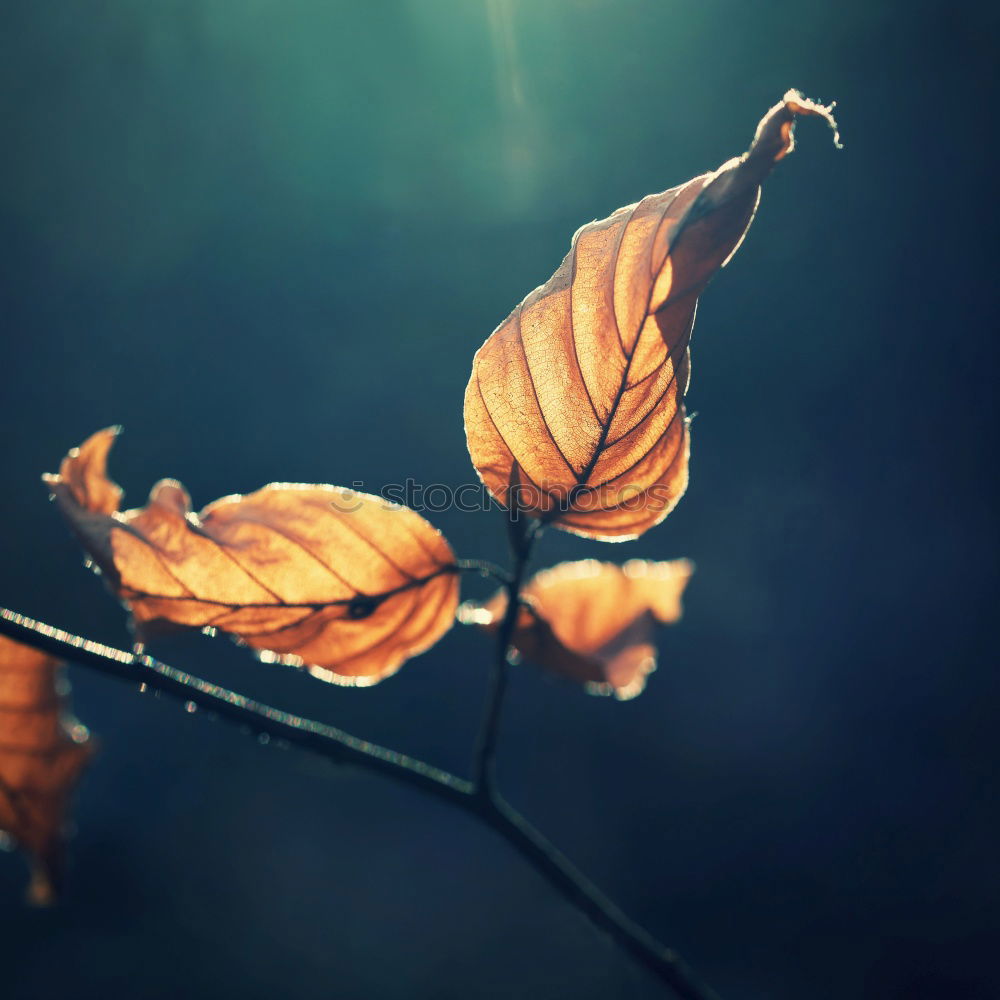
pixel 775 136
pixel 83 474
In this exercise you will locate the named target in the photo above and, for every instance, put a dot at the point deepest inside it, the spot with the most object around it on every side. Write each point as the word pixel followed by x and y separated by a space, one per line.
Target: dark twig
pixel 479 799
pixel 262 719
pixel 546 858
pixel 521 533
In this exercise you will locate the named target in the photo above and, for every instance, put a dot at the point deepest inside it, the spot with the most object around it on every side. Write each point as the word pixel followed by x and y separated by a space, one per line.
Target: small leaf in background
pixel 593 622
pixel 576 400
pixel 340 582
pixel 43 752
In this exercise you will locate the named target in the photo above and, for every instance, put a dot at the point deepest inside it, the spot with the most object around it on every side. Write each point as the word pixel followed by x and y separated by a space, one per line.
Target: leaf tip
pixel 775 136
pixel 82 478
pixel 41 892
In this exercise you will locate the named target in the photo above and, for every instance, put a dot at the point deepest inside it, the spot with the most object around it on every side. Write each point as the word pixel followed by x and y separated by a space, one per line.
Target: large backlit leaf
pixel 341 582
pixel 576 400
pixel 594 622
pixel 42 755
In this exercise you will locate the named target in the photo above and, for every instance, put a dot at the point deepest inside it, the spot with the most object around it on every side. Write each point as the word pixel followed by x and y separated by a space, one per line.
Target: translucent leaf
pixel 343 583
pixel 594 622
pixel 42 754
pixel 576 400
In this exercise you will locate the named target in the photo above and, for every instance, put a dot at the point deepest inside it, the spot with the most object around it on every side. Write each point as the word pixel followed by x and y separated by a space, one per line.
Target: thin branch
pixel 521 534
pixel 479 800
pixel 327 740
pixel 562 874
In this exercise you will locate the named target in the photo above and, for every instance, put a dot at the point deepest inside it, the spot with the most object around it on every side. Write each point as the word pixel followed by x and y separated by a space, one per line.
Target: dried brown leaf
pixel 42 754
pixel 594 622
pixel 343 583
pixel 576 400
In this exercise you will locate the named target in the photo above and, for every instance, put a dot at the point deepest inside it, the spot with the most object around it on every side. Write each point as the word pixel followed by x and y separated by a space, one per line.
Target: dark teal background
pixel 268 237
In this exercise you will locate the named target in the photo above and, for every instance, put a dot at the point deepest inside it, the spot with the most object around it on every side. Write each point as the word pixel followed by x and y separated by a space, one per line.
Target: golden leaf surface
pixel 42 754
pixel 343 583
pixel 576 400
pixel 594 622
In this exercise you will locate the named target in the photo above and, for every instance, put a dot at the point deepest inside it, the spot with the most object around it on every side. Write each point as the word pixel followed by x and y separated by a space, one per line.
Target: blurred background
pixel 268 237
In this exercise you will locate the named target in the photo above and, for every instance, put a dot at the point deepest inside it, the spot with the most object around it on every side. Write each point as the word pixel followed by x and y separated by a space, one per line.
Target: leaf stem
pixel 480 800
pixel 484 568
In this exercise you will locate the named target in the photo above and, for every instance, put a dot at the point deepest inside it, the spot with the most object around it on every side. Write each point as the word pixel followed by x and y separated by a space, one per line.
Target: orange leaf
pixel 42 754
pixel 343 583
pixel 593 622
pixel 576 400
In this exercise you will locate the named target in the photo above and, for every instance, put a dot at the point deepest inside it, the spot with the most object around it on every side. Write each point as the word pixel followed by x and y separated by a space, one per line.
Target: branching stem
pixel 478 798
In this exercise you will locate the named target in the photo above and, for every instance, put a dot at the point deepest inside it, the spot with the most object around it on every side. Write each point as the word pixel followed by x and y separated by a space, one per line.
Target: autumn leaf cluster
pixel 574 419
